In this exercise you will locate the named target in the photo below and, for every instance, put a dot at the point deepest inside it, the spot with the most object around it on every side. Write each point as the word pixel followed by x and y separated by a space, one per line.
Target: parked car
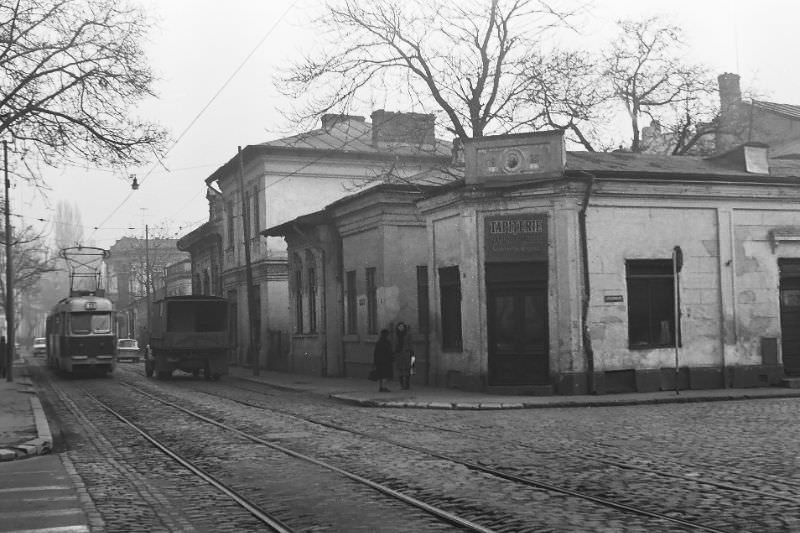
pixel 128 350
pixel 39 347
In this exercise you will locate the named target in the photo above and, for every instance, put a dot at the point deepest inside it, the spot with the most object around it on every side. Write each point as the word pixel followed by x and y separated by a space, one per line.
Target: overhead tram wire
pixel 200 113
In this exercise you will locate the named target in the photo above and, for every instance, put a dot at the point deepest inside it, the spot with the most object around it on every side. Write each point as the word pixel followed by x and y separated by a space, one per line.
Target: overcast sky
pixel 197 45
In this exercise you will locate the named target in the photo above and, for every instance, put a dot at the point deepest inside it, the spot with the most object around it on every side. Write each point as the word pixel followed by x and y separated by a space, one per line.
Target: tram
pixel 81 328
pixel 81 334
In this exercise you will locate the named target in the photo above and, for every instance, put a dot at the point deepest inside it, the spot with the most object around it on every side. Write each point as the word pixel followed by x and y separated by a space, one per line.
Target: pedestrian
pixel 404 354
pixel 383 360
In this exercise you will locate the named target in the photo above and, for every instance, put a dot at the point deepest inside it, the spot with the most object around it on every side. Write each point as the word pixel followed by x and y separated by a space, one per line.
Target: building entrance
pixel 517 324
pixel 790 315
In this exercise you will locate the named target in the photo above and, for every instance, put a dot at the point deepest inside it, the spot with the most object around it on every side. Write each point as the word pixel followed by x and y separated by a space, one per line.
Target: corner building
pixel 552 272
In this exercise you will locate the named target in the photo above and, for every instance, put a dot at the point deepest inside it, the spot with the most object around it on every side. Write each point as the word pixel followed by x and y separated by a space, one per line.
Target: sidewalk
pixel 24 431
pixel 365 393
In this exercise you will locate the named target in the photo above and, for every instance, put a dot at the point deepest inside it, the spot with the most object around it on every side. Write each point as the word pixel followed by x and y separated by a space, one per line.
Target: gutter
pixel 591 385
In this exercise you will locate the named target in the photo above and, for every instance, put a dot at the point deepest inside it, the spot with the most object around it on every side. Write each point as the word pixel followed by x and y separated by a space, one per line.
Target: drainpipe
pixel 587 339
pixel 323 312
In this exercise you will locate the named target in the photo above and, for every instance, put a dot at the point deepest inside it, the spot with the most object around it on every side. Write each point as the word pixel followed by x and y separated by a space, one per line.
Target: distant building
pixel 283 178
pixel 127 266
pixel 204 244
pixel 742 121
pixel 178 281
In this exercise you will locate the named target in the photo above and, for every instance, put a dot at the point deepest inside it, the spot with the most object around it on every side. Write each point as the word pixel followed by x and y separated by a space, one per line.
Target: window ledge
pixel 653 347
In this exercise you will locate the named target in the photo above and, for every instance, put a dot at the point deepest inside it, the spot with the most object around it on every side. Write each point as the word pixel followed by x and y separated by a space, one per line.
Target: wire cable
pixel 200 113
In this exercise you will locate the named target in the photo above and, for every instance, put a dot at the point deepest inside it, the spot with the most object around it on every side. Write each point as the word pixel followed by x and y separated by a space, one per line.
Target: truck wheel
pixel 215 377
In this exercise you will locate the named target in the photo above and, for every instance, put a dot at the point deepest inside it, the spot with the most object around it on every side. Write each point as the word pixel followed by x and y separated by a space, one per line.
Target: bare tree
pixel 68 226
pixel 572 96
pixel 31 262
pixel 465 60
pixel 71 72
pixel 650 76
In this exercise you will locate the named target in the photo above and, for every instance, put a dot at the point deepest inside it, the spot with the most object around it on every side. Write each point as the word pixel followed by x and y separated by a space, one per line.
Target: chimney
pixel 329 120
pixel 729 91
pixel 729 129
pixel 403 129
pixel 457 152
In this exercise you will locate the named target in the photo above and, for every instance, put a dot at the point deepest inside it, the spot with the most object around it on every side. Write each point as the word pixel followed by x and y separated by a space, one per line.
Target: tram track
pixel 441 514
pixel 517 479
pixel 790 485
pixel 267 519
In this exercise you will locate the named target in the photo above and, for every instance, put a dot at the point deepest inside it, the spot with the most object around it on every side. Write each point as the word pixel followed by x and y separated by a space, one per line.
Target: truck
pixel 188 333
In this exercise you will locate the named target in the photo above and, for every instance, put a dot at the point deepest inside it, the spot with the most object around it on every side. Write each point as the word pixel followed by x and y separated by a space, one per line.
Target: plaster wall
pixel 617 233
pixel 454 237
pixel 406 248
pixel 360 251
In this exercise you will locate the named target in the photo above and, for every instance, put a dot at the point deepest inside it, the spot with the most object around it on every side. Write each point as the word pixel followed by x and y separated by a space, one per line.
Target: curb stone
pixel 41 445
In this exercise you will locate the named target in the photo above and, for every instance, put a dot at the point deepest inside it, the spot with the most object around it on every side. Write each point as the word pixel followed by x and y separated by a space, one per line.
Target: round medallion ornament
pixel 512 161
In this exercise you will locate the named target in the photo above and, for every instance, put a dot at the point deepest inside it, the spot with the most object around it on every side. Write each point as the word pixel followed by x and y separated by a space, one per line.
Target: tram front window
pixel 88 323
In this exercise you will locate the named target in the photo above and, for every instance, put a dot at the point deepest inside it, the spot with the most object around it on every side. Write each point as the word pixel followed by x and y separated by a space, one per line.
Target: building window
pixel 651 303
pixel 298 301
pixel 372 302
pixel 423 312
pixel 351 302
pixel 312 300
pixel 450 290
pixel 229 216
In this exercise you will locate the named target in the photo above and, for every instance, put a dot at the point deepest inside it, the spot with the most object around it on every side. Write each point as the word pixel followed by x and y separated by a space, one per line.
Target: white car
pixel 39 347
pixel 128 350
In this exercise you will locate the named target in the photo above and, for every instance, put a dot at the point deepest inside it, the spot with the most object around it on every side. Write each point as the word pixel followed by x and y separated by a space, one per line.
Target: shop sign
pixel 515 238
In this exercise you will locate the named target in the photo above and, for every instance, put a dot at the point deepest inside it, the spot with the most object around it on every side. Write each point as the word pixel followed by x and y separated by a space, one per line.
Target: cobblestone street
pixel 721 466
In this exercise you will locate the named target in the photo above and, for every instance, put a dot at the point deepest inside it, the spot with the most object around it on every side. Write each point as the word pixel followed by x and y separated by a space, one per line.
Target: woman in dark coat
pixel 383 359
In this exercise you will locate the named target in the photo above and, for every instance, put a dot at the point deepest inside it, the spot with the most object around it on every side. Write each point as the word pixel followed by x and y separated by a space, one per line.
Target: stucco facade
pixel 565 279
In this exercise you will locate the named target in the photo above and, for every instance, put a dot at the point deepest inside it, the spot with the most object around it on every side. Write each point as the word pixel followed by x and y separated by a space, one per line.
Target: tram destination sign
pixel 515 238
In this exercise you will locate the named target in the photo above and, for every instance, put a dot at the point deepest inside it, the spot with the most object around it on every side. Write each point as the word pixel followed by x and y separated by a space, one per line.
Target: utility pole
pixel 147 279
pixel 252 349
pixel 10 345
pixel 677 265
